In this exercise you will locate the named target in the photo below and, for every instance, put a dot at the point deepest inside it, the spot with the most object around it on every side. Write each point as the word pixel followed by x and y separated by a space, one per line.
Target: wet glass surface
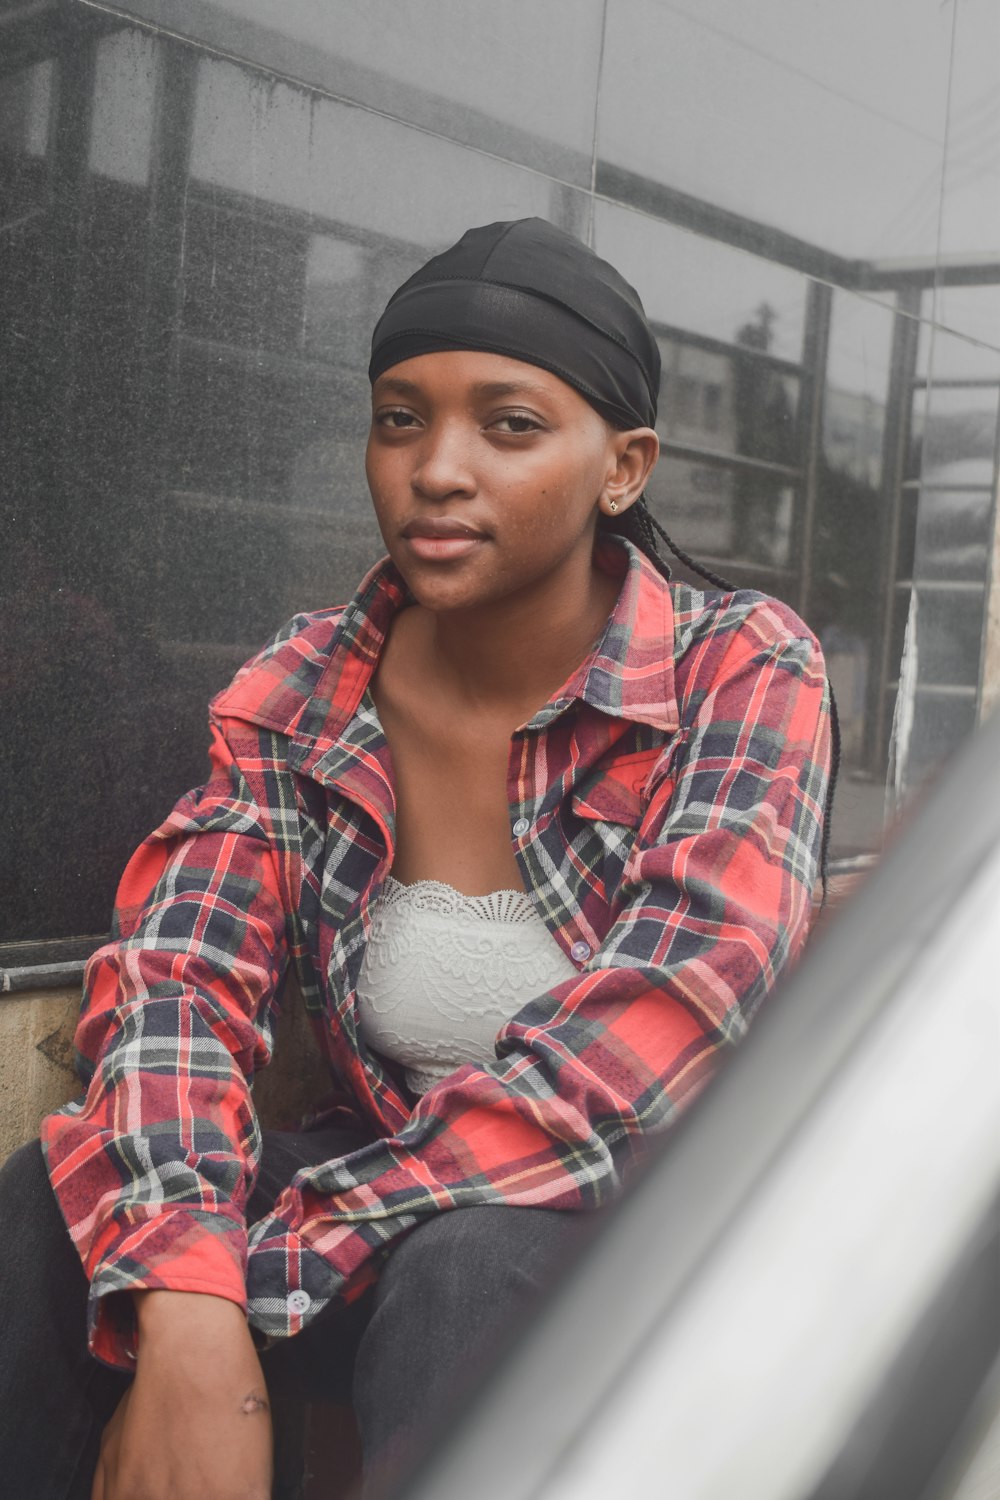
pixel 952 495
pixel 858 551
pixel 975 312
pixel 857 388
pixel 187 343
pixel 940 722
pixel 802 120
pixel 425 64
pixel 728 402
pixel 739 521
pixel 949 629
pixel 25 134
pixel 952 463
pixel 694 283
pixel 121 122
pixel 194 254
pixel 970 210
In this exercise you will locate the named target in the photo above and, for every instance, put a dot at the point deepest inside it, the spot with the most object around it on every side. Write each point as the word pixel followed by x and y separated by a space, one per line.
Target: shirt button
pixel 580 951
pixel 298 1302
pixel 521 827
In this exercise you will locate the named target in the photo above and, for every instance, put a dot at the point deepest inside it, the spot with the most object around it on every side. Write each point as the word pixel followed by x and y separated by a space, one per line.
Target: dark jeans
pixel 446 1295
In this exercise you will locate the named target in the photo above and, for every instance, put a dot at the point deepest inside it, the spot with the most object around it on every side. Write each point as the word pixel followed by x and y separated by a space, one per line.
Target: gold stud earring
pixel 612 506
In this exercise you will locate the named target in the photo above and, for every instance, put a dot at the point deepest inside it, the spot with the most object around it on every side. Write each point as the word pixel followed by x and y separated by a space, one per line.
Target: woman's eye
pixel 517 422
pixel 395 417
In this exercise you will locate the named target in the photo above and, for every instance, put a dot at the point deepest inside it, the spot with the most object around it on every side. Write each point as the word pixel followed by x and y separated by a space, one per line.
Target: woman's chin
pixel 453 585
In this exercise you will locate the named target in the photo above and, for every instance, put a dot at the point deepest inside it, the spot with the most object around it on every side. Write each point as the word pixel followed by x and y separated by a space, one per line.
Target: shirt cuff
pixel 292 1277
pixel 177 1251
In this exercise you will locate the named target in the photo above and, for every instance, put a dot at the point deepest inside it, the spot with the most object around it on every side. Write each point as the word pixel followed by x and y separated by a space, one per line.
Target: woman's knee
pixel 24 1182
pixel 448 1296
pixel 459 1283
pixel 478 1257
pixel 38 1250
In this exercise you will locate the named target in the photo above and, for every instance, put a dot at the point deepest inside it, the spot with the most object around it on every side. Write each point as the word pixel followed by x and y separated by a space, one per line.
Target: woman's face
pixel 486 474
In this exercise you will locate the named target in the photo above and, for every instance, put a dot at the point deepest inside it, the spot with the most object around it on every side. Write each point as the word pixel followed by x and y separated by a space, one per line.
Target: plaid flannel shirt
pixel 666 810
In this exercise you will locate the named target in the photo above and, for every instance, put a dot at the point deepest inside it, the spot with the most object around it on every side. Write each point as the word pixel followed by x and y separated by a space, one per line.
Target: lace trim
pixel 445 901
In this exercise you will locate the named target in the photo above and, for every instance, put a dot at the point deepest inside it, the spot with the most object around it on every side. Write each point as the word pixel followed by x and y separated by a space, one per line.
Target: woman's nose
pixel 444 464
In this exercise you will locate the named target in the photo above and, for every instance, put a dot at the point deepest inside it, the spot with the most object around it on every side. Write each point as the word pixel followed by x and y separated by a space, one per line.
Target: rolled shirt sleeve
pixel 152 1170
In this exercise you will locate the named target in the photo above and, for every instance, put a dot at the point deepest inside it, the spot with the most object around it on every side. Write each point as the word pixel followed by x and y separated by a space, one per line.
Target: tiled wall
pixel 207 202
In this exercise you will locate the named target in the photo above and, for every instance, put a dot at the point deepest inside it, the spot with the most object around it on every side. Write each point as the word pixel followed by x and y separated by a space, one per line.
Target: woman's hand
pixel 195 1424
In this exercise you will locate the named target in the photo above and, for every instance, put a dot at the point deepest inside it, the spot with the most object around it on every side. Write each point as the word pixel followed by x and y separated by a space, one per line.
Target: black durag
pixel 533 292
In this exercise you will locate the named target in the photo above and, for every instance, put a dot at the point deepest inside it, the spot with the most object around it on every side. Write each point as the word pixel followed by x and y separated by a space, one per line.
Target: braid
pixel 636 526
pixel 688 561
pixel 831 787
pixel 639 526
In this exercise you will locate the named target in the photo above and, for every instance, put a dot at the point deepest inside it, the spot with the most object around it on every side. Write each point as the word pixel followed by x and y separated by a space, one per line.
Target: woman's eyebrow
pixel 494 388
pixel 398 386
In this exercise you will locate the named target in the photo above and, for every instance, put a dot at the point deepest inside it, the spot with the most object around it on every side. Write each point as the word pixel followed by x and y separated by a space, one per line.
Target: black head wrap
pixel 529 290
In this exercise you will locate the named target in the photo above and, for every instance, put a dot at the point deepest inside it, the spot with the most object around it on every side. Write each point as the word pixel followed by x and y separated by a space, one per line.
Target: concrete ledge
pixel 36 1061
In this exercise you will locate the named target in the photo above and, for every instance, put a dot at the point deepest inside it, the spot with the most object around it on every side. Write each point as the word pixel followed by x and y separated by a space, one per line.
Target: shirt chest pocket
pixel 617 794
pixel 608 809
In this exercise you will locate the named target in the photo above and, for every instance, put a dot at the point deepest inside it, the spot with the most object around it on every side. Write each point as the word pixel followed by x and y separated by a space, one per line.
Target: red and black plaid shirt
pixel 666 812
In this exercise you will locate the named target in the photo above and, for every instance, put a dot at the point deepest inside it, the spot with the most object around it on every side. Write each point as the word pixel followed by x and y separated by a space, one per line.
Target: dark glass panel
pixel 728 402
pixel 855 401
pixel 243 276
pixel 26 99
pixel 185 403
pixel 940 723
pixel 949 636
pixel 690 282
pixel 956 533
pixel 740 517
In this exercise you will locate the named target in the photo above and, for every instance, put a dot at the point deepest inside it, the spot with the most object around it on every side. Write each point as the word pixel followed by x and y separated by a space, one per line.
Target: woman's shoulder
pixel 725 618
pixel 274 685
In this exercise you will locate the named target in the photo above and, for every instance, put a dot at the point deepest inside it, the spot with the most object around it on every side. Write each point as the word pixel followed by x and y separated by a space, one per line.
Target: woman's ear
pixel 635 455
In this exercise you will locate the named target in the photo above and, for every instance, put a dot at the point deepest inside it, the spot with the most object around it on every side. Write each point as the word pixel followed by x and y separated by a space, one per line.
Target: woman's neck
pixel 514 654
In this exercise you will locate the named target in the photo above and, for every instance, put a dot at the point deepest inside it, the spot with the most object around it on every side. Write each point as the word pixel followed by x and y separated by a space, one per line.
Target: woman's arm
pixel 153 1170
pixel 195 1423
pixel 714 900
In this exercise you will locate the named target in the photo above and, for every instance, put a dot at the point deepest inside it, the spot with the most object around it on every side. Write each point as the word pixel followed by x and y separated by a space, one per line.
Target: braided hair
pixel 639 526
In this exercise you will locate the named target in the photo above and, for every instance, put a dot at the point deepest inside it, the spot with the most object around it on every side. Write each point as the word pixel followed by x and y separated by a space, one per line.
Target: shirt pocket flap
pixel 618 793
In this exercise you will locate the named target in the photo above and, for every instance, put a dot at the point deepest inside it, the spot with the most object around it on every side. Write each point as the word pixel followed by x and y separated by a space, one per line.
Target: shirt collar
pixel 356 648
pixel 629 674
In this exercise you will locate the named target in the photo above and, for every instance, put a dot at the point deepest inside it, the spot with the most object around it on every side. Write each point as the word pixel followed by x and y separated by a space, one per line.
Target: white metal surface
pixel 753 1387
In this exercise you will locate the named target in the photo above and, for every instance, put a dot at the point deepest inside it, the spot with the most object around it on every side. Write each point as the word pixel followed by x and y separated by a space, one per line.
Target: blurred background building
pixel 204 205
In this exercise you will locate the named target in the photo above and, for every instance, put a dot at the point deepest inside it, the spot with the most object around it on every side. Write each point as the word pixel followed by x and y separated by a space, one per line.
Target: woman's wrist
pixel 191 1314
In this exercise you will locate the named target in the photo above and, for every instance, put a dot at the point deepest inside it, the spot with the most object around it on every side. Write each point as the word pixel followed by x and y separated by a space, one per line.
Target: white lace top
pixel 443 972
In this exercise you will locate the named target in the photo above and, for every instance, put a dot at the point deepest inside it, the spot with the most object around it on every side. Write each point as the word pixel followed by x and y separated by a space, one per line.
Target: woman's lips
pixel 441 540
pixel 443 548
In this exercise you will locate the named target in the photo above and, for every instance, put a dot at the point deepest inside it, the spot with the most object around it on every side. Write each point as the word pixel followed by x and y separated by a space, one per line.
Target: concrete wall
pixel 36 1061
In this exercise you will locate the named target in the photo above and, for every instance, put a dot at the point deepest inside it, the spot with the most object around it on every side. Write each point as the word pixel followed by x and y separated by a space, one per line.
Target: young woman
pixel 536 830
